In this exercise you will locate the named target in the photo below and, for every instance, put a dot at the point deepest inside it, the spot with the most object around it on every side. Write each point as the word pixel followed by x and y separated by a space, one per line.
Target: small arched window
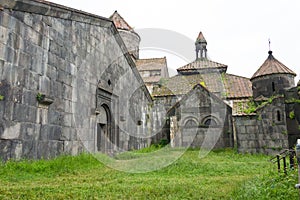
pixel 210 122
pixel 273 86
pixel 278 116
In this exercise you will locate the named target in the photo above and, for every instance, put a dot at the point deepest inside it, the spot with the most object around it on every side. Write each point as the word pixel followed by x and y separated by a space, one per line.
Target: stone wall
pixel 132 41
pixel 263 132
pixel 292 98
pixel 201 119
pixel 79 68
pixel 271 85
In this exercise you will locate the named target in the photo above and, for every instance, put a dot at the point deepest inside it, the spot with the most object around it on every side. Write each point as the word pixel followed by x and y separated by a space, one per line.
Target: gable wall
pixel 66 55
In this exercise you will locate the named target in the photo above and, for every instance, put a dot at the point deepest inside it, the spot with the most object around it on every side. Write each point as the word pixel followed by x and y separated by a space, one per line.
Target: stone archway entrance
pixel 105 138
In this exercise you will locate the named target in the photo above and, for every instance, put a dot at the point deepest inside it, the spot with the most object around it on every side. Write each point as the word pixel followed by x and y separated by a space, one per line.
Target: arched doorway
pixel 105 137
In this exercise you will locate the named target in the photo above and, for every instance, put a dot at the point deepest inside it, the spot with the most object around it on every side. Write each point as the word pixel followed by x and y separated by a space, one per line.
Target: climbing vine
pixel 293 100
pixel 252 105
pixel 292 115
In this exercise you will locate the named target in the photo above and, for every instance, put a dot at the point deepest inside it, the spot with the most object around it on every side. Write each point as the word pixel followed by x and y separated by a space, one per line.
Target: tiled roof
pixel 272 66
pixel 201 38
pixel 119 22
pixel 180 84
pixel 237 86
pixel 201 64
pixel 151 64
pixel 224 85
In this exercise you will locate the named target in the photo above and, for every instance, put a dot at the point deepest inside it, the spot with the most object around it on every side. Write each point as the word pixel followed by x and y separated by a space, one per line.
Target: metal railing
pixel 283 156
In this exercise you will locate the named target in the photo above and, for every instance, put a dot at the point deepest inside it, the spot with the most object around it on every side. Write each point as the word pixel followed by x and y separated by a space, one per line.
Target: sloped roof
pixel 151 64
pixel 201 38
pixel 180 84
pixel 119 22
pixel 201 64
pixel 237 86
pixel 272 66
pixel 225 85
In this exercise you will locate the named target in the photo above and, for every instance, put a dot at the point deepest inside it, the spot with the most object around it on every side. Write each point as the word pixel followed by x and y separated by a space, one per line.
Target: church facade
pixel 71 82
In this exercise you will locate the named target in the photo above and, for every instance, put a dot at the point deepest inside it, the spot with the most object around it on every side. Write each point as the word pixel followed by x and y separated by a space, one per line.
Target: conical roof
pixel 272 66
pixel 200 38
pixel 119 22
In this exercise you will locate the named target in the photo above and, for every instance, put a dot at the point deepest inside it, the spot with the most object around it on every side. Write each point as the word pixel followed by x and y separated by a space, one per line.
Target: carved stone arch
pixel 104 135
pixel 190 122
pixel 107 134
pixel 210 121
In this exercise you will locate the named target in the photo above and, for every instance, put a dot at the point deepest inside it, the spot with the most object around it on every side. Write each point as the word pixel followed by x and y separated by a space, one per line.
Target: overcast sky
pixel 237 31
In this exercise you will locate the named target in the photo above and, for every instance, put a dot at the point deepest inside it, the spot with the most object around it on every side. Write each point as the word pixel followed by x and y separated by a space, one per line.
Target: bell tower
pixel 201 51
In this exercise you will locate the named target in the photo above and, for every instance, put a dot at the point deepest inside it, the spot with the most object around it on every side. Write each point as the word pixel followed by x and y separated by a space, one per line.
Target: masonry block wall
pixel 201 119
pixel 263 132
pixel 292 97
pixel 80 68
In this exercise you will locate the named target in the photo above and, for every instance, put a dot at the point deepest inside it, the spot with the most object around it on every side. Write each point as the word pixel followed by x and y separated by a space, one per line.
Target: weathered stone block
pixel 55 133
pixel 5 149
pixel 44 85
pixel 4 35
pixel 241 129
pixel 20 112
pixel 29 131
pixel 32 81
pixel 29 98
pixel 252 129
pixel 45 132
pixel 43 150
pixel 55 117
pixel 16 149
pixel 32 114
pixel 29 149
pixel 68 134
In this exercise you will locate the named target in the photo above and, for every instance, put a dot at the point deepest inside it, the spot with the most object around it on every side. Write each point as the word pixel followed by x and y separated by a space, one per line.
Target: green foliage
pixel 40 97
pixel 163 142
pixel 28 169
pixel 253 105
pixel 270 186
pixel 292 115
pixel 293 100
pixel 1 97
pixel 215 176
pixel 259 118
pixel 284 132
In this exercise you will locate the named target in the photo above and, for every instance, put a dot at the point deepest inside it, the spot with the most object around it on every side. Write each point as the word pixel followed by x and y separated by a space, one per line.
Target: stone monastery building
pixel 71 81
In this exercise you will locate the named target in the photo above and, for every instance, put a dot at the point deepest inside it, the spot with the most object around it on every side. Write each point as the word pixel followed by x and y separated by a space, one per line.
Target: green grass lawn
pixel 222 174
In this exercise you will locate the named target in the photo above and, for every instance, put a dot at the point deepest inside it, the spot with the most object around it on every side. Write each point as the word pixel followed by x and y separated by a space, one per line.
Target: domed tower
pixel 272 78
pixel 130 37
pixel 201 51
